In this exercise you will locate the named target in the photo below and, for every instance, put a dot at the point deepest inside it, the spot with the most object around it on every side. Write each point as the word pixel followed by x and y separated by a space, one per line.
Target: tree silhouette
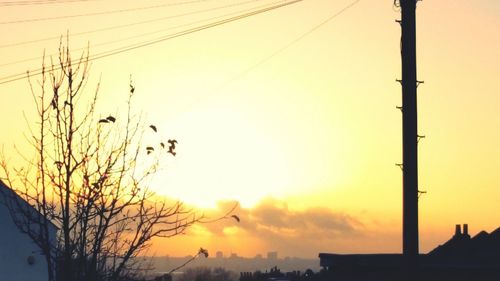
pixel 89 176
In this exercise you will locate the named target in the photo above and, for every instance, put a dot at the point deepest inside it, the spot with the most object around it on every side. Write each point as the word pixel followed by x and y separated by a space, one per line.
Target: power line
pixel 128 24
pixel 20 76
pixel 149 33
pixel 102 13
pixel 293 42
pixel 280 50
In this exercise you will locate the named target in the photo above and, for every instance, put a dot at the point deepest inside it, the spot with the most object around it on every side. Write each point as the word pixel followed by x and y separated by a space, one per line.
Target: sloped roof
pixel 482 249
pixel 6 193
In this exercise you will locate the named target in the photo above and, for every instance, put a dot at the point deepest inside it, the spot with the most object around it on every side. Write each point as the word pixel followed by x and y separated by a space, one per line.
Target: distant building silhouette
pixel 274 274
pixel 460 258
pixel 272 255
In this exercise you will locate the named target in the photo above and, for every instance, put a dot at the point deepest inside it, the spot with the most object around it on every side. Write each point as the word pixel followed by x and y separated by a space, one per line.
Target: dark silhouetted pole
pixel 410 163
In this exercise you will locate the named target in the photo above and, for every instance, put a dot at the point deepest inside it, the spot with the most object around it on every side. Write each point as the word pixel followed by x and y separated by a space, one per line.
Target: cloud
pixel 276 218
pixel 273 225
pixel 276 225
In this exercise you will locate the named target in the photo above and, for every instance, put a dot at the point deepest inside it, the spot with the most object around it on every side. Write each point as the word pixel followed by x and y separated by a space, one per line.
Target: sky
pixel 293 120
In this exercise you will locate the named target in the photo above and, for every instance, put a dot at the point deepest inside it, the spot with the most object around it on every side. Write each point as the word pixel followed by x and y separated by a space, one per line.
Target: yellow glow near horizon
pixel 236 159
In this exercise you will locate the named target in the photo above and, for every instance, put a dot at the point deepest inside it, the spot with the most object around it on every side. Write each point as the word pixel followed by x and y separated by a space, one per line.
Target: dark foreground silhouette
pixel 461 258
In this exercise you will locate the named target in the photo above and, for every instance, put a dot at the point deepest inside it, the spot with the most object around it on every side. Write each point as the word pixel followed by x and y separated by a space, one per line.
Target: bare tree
pixel 90 178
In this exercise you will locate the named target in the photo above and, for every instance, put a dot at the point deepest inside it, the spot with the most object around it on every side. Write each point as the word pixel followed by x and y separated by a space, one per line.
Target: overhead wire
pixel 129 24
pixel 149 33
pixel 293 42
pixel 19 76
pixel 102 13
pixel 278 51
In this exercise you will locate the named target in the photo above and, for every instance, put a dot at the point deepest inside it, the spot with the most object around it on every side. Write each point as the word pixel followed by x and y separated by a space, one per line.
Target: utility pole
pixel 409 84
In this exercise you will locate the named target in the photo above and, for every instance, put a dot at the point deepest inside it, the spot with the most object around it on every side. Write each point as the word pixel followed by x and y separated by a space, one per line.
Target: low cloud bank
pixel 275 226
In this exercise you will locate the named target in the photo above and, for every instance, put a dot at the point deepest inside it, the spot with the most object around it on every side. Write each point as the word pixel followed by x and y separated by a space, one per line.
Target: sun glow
pixel 223 156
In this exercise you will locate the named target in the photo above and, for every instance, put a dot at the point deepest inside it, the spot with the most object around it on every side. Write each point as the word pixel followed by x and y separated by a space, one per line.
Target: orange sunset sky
pixel 302 131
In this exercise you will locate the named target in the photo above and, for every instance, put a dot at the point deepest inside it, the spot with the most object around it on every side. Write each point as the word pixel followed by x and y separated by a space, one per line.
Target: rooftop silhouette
pixel 462 257
pixel 482 250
